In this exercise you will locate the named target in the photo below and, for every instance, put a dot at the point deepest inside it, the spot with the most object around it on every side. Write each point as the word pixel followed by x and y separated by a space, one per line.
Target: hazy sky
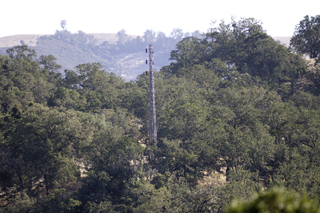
pixel 278 17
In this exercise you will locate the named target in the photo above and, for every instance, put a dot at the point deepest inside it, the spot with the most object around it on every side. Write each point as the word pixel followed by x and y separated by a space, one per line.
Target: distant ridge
pixel 14 40
pixel 111 38
pixel 31 39
pixel 127 65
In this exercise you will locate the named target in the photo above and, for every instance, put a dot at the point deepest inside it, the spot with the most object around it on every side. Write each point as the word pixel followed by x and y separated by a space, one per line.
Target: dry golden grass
pixel 111 38
pixel 213 178
pixel 31 39
pixel 102 37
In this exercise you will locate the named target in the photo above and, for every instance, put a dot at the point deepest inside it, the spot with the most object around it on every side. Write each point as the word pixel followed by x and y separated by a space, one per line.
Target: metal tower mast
pixel 152 103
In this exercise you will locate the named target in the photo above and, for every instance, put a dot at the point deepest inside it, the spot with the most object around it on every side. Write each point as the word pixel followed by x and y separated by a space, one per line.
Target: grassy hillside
pixel 124 62
pixel 10 41
pixel 109 37
pixel 31 39
pixel 68 56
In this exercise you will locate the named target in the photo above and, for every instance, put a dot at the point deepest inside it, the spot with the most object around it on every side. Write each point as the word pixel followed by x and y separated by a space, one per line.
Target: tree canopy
pixel 306 37
pixel 238 130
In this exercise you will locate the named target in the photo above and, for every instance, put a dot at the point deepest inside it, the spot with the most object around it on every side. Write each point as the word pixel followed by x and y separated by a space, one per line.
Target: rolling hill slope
pixel 125 64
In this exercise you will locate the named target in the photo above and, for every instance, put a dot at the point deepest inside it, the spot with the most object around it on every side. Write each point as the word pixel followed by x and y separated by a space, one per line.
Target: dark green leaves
pixel 306 38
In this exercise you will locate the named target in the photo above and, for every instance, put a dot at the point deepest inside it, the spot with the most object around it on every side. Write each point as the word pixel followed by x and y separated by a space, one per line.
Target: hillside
pixel 124 62
pixel 31 39
pixel 10 41
pixel 111 38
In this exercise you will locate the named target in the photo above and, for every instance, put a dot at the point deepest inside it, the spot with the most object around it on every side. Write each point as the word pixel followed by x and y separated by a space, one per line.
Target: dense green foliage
pixel 237 113
pixel 275 200
pixel 306 38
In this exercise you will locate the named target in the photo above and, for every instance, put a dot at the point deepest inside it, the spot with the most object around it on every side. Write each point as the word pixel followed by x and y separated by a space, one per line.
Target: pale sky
pixel 278 17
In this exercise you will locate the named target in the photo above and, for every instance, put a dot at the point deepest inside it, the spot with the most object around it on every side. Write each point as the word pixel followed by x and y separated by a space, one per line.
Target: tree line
pixel 124 43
